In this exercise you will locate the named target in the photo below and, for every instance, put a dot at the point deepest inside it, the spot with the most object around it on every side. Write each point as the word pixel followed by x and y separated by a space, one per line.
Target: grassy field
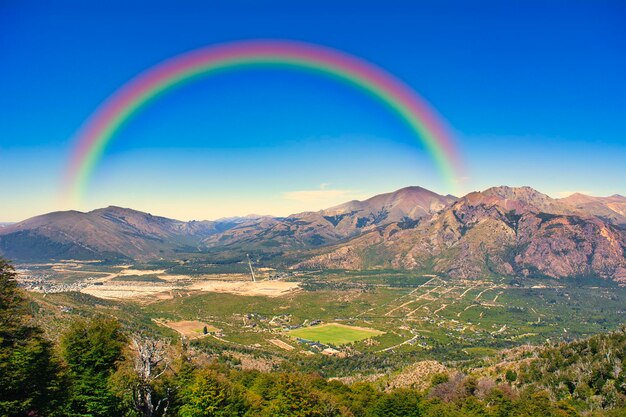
pixel 190 328
pixel 334 334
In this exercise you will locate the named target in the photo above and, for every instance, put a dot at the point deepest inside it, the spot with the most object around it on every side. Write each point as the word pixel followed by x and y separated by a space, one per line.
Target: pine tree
pixel 29 375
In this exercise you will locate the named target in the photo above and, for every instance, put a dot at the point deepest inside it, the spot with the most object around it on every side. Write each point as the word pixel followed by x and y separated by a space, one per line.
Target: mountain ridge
pixel 318 228
pixel 502 230
pixel 490 232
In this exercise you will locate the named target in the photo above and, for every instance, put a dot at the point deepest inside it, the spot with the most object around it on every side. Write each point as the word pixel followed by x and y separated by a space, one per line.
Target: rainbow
pixel 103 124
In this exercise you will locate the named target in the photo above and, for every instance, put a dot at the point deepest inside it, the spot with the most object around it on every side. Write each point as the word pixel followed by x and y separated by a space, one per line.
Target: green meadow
pixel 334 334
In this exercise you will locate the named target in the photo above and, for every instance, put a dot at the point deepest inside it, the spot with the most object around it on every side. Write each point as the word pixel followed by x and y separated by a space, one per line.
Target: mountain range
pixel 501 231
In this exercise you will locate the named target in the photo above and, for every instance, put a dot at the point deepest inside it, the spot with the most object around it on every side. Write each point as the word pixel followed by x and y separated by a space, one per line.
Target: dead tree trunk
pixel 150 364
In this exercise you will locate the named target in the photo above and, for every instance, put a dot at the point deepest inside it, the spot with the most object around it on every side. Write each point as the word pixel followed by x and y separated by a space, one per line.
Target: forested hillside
pixel 589 371
pixel 100 369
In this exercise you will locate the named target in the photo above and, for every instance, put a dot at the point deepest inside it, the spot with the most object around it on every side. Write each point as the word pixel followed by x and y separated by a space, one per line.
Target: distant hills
pixel 502 230
pixel 108 233
pixel 612 209
pixel 312 229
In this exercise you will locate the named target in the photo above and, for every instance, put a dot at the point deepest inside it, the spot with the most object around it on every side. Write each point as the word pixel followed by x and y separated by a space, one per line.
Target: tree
pixel 29 375
pixel 294 395
pixel 439 378
pixel 210 395
pixel 92 350
pixel 511 375
pixel 150 363
pixel 11 301
pixel 400 403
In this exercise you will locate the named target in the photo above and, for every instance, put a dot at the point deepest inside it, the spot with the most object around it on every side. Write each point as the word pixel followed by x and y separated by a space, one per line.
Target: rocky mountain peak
pixel 520 199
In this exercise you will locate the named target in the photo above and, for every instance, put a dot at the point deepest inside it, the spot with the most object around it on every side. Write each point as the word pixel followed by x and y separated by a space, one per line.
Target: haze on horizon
pixel 534 93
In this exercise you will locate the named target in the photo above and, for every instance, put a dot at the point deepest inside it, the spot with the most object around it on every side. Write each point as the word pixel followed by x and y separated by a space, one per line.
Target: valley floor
pixel 405 316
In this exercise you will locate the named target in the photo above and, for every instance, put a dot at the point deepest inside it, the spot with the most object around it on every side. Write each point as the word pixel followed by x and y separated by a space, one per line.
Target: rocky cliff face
pixel 503 231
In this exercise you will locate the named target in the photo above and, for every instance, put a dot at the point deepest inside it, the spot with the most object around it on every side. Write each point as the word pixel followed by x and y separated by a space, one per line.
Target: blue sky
pixel 534 91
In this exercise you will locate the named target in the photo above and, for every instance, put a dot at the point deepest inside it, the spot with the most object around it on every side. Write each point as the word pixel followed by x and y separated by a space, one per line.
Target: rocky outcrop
pixel 501 231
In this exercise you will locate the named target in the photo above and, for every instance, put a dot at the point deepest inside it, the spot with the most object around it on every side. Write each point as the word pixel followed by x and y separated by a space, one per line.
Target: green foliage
pixel 209 394
pixel 92 350
pixel 293 395
pixel 29 381
pixel 511 375
pixel 11 302
pixel 589 370
pixel 401 403
pixel 439 378
pixel 584 377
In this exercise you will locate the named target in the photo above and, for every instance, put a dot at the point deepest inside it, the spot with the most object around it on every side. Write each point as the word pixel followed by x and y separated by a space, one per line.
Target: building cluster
pixel 44 285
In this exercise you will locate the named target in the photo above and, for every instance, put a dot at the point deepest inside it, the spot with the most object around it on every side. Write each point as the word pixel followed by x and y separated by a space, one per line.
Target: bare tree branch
pixel 150 363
